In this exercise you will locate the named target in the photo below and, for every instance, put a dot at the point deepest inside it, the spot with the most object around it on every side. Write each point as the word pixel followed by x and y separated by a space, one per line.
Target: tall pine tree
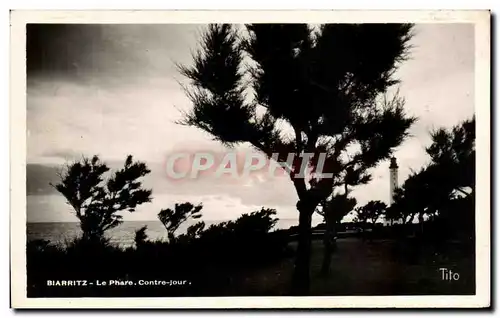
pixel 324 82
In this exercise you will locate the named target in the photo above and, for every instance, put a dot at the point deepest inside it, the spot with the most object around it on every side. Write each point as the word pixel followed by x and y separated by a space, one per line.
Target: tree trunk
pixel 329 243
pixel 421 224
pixel 363 230
pixel 301 274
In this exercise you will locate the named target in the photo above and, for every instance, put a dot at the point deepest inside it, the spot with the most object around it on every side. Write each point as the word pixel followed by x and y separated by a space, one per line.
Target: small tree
pixel 371 211
pixel 257 222
pixel 396 212
pixel 453 155
pixel 377 209
pixel 141 236
pixel 97 201
pixel 172 219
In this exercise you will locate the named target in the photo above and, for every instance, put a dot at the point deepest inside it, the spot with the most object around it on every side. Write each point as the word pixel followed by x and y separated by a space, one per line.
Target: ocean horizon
pixel 124 234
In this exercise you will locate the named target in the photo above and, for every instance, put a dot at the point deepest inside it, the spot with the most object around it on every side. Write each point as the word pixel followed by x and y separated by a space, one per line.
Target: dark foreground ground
pixel 379 267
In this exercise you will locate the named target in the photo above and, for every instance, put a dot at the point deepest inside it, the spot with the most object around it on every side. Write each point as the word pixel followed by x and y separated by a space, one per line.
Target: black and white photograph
pixel 185 160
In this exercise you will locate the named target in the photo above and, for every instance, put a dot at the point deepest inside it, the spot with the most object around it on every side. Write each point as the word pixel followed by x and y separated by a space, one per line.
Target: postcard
pixel 250 159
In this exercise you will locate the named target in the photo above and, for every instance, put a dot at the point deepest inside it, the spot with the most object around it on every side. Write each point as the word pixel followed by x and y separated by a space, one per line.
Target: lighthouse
pixel 393 168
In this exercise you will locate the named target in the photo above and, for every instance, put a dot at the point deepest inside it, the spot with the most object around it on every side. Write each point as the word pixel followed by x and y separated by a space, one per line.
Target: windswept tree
pixel 333 211
pixel 195 230
pixel 306 97
pixel 173 218
pixel 96 200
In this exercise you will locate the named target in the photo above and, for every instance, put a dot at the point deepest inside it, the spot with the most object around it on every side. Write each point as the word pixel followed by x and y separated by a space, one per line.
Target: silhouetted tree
pixel 361 216
pixel 172 219
pixel 453 155
pixel 261 221
pixel 195 230
pixel 333 211
pixel 248 234
pixel 140 236
pixel 323 84
pixel 396 211
pixel 411 199
pixel 372 211
pixel 339 205
pixel 96 201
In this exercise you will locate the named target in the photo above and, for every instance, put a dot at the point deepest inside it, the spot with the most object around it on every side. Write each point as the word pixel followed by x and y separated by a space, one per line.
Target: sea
pixel 61 233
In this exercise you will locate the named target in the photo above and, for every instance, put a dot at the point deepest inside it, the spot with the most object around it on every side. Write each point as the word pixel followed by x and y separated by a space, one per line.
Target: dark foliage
pixel 214 260
pixel 333 211
pixel 441 190
pixel 372 211
pixel 336 208
pixel 140 236
pixel 182 212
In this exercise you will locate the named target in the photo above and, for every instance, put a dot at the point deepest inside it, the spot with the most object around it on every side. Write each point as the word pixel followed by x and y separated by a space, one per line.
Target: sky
pixel 114 90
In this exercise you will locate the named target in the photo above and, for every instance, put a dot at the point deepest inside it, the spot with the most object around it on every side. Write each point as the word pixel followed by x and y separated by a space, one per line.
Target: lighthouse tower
pixel 393 168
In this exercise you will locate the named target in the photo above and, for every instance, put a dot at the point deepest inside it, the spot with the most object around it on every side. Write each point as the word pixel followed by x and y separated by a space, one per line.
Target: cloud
pixel 269 191
pixel 38 179
pixel 100 51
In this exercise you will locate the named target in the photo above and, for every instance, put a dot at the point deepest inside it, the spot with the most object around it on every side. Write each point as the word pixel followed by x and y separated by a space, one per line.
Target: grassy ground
pixel 380 267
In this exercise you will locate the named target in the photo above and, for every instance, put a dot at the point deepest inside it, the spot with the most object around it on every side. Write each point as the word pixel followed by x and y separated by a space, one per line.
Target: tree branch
pixel 462 191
